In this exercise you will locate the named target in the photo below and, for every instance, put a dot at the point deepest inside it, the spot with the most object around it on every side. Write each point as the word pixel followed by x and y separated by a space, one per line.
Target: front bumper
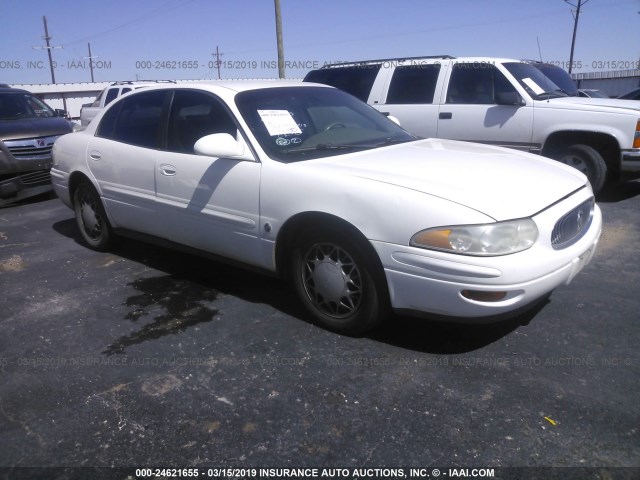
pixel 433 282
pixel 20 186
pixel 630 160
pixel 24 168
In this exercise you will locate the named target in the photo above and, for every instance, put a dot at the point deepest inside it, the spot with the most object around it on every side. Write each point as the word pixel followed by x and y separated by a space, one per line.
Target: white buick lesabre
pixel 307 182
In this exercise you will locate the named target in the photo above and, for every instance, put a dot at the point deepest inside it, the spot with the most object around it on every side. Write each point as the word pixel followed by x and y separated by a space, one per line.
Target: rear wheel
pixel 588 161
pixel 339 285
pixel 91 217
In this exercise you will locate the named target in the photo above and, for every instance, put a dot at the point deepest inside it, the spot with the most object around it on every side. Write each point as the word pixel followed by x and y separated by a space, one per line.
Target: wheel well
pixel 606 145
pixel 75 180
pixel 296 225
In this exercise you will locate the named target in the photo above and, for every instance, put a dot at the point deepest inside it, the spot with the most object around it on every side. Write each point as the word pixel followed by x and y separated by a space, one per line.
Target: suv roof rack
pixel 381 60
pixel 131 82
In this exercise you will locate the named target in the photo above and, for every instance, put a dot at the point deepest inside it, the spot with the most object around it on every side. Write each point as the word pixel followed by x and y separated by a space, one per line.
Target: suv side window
pixel 413 84
pixel 194 115
pixel 112 94
pixel 356 80
pixel 136 120
pixel 476 83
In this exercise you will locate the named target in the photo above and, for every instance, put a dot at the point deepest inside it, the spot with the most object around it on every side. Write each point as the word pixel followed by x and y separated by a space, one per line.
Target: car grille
pixel 31 148
pixel 35 178
pixel 572 226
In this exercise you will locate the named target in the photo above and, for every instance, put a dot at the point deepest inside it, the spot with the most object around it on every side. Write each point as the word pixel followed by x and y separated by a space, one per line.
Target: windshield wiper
pixel 328 146
pixel 548 95
pixel 568 94
pixel 395 141
pixel 354 146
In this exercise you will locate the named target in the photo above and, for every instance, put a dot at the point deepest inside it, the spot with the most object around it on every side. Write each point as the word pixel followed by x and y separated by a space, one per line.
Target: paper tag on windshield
pixel 279 122
pixel 533 86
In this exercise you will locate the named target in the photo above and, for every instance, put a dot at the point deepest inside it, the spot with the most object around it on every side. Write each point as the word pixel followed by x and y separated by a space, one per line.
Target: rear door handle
pixel 95 155
pixel 167 170
pixel 445 116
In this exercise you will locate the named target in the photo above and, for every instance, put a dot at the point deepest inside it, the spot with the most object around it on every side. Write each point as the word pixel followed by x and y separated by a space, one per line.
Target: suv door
pixel 412 96
pixel 475 109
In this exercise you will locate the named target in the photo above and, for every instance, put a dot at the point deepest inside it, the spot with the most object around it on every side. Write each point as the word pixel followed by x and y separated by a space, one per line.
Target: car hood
pixel 33 127
pixel 586 103
pixel 501 183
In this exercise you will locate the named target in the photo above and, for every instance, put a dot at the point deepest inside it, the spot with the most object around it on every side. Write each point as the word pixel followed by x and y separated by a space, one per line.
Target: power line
pixel 161 10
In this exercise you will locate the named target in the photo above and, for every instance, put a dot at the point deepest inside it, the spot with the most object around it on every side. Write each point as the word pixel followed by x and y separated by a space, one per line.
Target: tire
pixel 343 289
pixel 91 217
pixel 587 160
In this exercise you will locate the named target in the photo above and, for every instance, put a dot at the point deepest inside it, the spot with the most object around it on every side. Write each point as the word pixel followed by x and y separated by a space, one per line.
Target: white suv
pixel 498 101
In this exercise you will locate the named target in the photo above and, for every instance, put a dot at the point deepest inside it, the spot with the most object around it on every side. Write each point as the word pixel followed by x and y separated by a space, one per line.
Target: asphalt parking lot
pixel 144 357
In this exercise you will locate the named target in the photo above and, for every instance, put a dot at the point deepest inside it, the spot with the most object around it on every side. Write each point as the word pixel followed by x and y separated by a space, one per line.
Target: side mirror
pixel 221 145
pixel 394 120
pixel 391 117
pixel 509 98
pixel 60 113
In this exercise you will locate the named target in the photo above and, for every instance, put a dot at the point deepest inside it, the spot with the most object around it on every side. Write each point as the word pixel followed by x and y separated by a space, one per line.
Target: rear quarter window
pixel 356 80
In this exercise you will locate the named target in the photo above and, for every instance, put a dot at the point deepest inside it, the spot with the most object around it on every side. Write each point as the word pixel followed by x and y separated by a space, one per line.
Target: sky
pixel 177 39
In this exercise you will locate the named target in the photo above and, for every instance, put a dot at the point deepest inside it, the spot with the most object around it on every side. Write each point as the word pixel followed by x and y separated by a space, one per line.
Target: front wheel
pixel 339 285
pixel 91 217
pixel 588 161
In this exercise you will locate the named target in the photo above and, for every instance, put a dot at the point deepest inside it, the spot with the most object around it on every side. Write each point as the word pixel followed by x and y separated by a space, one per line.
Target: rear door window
pixel 136 120
pixel 112 94
pixel 413 84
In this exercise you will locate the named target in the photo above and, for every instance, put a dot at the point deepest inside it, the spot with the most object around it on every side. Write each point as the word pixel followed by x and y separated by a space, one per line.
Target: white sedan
pixel 307 182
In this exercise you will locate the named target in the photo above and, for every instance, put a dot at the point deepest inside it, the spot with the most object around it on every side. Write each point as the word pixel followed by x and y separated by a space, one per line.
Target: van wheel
pixel 337 283
pixel 91 217
pixel 588 161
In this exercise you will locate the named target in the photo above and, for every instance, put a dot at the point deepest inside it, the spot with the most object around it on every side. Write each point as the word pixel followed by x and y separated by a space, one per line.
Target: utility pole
pixel 576 16
pixel 90 60
pixel 218 62
pixel 48 48
pixel 279 40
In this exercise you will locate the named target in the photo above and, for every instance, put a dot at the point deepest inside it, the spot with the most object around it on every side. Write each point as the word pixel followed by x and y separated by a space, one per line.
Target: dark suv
pixel 28 128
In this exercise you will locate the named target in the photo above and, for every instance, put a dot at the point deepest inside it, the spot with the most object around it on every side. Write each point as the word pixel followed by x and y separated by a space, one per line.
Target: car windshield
pixel 536 83
pixel 560 77
pixel 18 106
pixel 301 123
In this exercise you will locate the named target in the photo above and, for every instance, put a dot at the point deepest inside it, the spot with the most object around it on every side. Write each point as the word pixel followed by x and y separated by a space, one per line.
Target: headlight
pixel 500 238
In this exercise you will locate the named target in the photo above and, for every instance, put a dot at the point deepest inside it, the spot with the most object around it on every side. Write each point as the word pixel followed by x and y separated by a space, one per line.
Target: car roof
pixel 218 86
pixel 225 89
pixel 14 90
pixel 434 58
